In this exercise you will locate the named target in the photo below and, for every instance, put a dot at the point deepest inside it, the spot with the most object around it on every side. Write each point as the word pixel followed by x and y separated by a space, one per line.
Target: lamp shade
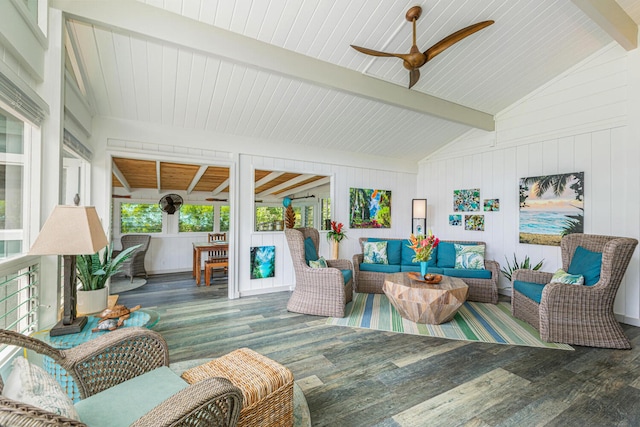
pixel 70 230
pixel 419 208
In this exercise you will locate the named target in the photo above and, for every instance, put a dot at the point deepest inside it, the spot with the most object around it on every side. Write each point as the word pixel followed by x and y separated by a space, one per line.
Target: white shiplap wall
pixel 580 122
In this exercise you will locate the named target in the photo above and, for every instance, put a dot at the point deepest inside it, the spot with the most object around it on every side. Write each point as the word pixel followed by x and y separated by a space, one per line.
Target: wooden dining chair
pixel 218 261
pixel 216 237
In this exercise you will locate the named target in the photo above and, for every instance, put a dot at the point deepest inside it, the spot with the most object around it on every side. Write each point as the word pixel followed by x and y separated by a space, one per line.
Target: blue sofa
pixel 369 278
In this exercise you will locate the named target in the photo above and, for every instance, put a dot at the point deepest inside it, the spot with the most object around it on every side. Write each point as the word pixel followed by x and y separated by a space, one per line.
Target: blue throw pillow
pixel 310 253
pixel 586 263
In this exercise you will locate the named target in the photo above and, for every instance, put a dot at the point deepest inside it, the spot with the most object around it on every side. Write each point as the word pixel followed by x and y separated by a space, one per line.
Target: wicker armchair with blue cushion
pixel 580 313
pixel 134 266
pixel 322 291
pixel 123 379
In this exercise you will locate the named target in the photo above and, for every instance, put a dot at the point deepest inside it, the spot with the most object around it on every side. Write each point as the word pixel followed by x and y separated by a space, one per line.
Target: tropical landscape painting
pixel 263 262
pixel 551 206
pixel 369 208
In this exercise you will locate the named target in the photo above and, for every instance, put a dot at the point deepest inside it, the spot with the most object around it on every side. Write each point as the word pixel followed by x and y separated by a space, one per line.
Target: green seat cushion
pixel 586 263
pixel 468 273
pixel 531 290
pixel 380 268
pixel 347 275
pixel 125 403
pixel 394 249
pixel 408 254
pixel 310 253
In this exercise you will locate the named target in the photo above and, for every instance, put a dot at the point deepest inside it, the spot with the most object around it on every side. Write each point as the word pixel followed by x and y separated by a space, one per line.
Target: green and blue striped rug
pixel 474 321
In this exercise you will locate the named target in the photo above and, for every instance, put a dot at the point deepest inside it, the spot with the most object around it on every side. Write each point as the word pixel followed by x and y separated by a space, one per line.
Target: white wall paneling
pixel 576 123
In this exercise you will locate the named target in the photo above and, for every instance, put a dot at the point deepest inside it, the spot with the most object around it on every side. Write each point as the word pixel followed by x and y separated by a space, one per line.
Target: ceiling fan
pixel 416 59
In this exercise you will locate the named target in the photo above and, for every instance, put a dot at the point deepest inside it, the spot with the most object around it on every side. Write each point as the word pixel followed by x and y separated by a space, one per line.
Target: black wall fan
pixel 170 203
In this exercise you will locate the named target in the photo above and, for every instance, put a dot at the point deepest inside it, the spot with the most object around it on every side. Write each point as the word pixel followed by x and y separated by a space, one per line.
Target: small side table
pixel 143 317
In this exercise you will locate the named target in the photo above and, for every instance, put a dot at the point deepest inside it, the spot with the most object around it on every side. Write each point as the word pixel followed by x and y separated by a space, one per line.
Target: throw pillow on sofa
pixel 375 253
pixel 469 256
pixel 30 384
pixel 562 276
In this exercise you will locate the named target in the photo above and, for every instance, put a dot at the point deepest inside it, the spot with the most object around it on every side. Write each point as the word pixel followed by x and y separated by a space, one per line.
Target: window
pixel 325 220
pixel 269 218
pixel 140 218
pixel 224 218
pixel 195 218
pixel 304 216
pixel 12 159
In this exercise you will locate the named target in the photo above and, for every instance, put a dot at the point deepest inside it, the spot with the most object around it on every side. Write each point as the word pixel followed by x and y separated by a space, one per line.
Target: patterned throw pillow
pixel 30 384
pixel 469 256
pixel 562 276
pixel 320 263
pixel 375 253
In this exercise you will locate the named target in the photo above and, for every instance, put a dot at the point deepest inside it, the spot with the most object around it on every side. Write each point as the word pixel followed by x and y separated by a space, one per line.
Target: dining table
pixel 198 248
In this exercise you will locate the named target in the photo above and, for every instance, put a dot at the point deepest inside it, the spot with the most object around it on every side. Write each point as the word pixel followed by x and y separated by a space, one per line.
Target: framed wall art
pixel 263 262
pixel 491 205
pixel 466 200
pixel 369 208
pixel 474 222
pixel 455 220
pixel 551 206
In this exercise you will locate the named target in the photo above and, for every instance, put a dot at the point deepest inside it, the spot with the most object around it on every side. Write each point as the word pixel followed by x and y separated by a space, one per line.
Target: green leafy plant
pixel 525 265
pixel 94 270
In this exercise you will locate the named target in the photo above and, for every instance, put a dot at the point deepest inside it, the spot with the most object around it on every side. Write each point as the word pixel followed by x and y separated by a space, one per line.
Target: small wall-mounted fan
pixel 415 59
pixel 170 203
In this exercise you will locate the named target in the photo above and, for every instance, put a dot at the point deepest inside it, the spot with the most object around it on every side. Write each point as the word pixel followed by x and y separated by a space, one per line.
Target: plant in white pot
pixel 93 272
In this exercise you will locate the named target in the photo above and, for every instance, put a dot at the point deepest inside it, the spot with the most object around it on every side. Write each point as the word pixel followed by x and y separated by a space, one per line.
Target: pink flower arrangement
pixel 336 233
pixel 423 246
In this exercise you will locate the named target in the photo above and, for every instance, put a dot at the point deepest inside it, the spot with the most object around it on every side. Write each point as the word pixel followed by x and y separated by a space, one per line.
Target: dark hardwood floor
pixel 355 377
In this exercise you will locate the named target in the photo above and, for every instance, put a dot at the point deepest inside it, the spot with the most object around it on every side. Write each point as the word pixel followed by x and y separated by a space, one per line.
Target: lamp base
pixel 75 327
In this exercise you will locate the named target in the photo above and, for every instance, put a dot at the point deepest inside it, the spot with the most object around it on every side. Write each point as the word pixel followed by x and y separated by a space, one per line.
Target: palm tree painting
pixel 369 208
pixel 263 262
pixel 551 206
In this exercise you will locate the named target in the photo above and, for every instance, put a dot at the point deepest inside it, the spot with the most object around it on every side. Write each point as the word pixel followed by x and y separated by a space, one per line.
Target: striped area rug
pixel 474 322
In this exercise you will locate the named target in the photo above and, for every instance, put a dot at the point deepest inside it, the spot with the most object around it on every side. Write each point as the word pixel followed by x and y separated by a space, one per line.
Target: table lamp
pixel 70 231
pixel 419 216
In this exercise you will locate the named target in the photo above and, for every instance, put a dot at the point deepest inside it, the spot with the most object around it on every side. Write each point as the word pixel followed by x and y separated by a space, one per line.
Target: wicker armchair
pixel 212 402
pixel 135 264
pixel 318 291
pixel 573 314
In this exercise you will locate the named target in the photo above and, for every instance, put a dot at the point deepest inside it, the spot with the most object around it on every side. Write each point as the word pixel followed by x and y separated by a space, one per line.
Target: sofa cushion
pixel 446 255
pixel 375 253
pixel 319 263
pixel 310 253
pixel 586 263
pixel 408 254
pixel 531 290
pixel 469 256
pixel 347 275
pixel 562 276
pixel 123 404
pixel 467 273
pixel 394 249
pixel 410 267
pixel 380 268
pixel 29 383
pixel 435 270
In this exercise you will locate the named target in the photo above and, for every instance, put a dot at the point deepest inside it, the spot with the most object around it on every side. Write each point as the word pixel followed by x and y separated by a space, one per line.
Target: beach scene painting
pixel 551 206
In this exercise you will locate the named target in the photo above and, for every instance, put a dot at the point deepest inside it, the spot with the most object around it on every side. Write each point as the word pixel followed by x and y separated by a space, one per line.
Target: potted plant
pixel 92 272
pixel 335 236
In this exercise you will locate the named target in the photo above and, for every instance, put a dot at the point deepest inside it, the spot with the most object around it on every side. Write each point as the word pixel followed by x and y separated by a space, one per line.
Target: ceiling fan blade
pixel 414 76
pixel 378 53
pixel 454 38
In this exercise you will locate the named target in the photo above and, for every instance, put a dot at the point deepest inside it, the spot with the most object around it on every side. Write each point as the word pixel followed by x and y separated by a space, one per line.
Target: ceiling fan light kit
pixel 415 59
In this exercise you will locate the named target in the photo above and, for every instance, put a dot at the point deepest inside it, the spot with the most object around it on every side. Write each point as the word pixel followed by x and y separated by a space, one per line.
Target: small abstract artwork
pixel 474 222
pixel 455 220
pixel 550 207
pixel 263 262
pixel 466 200
pixel 491 205
pixel 369 208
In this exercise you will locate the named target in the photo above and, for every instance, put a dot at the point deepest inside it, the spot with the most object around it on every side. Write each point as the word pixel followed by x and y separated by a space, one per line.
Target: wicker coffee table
pixel 421 302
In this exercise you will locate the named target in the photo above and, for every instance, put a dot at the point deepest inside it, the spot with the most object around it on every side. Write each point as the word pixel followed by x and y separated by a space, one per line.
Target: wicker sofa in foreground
pixel 369 278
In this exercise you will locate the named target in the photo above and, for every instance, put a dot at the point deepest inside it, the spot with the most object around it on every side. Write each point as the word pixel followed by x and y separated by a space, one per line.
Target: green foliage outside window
pixel 140 218
pixel 325 222
pixel 224 218
pixel 195 218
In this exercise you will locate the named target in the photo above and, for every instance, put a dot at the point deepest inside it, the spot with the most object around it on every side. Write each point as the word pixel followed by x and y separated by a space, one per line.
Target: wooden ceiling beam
pixel 268 178
pixel 612 18
pixel 220 187
pixel 120 176
pixel 158 177
pixel 271 191
pixel 196 178
pixel 152 23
